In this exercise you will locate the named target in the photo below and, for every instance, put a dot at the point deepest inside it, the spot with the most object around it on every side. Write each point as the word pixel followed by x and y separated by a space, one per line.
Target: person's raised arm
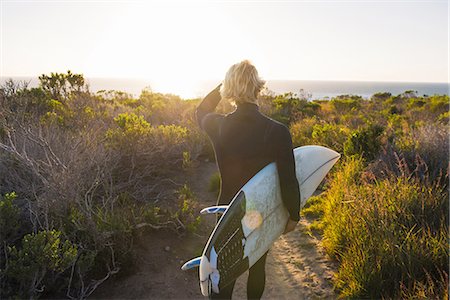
pixel 208 105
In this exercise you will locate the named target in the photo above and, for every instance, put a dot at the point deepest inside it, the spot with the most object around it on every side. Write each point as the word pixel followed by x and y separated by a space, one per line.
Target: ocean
pixel 365 89
pixel 316 89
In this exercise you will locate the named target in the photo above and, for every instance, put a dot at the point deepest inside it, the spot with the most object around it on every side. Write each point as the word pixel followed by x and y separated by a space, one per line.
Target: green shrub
pixel 134 131
pixel 152 214
pixel 38 262
pixel 439 104
pixel 132 125
pixel 365 142
pixel 18 98
pixel 187 161
pixel 330 135
pixel 353 121
pixel 416 103
pixel 313 207
pixel 301 131
pixel 62 85
pixel 187 213
pixel 166 108
pixel 345 104
pixel 9 218
pixel 171 134
pixel 289 106
pixel 380 97
pixel 311 131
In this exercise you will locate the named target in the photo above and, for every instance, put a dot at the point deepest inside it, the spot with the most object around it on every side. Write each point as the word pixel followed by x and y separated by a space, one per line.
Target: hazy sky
pixel 180 42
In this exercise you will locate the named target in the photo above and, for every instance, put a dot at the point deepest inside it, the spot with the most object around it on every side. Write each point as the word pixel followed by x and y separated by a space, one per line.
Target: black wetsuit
pixel 245 141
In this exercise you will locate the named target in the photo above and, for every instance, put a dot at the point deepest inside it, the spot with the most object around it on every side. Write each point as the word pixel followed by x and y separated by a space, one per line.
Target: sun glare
pixel 168 46
pixel 171 46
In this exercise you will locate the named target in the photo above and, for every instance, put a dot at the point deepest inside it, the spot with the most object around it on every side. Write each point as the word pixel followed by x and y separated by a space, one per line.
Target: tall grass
pixel 390 235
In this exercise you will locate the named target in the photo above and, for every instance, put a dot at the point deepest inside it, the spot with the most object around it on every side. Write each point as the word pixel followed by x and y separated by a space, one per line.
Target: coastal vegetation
pixel 83 174
pixel 384 212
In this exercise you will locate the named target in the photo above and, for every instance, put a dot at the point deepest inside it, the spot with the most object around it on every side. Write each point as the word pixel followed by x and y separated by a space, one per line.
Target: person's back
pixel 245 141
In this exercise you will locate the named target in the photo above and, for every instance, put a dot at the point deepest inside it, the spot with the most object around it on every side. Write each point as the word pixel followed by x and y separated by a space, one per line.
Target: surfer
pixel 244 142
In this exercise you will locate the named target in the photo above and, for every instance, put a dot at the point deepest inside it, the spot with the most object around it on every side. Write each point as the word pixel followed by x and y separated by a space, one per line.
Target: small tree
pixel 59 85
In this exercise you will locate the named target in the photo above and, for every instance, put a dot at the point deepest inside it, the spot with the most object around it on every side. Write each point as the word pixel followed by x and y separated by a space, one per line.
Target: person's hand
pixel 290 226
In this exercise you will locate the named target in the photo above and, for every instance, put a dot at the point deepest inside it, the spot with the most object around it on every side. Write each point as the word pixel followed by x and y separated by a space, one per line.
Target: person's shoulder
pixel 277 127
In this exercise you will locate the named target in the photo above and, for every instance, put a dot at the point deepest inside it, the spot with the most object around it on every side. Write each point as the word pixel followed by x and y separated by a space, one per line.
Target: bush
pixel 345 104
pixel 381 96
pixel 62 85
pixel 439 104
pixel 42 258
pixel 387 235
pixel 131 129
pixel 301 131
pixel 289 106
pixel 9 218
pixel 158 148
pixel 365 142
pixel 330 135
pixel 18 98
pixel 187 213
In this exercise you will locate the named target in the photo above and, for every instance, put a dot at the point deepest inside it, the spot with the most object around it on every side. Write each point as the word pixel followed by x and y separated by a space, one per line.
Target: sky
pixel 177 43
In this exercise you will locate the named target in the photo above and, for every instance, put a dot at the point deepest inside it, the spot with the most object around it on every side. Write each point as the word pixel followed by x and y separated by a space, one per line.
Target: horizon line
pixel 214 79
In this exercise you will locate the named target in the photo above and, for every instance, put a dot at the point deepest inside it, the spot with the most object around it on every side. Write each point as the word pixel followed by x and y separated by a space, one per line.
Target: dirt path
pixel 296 266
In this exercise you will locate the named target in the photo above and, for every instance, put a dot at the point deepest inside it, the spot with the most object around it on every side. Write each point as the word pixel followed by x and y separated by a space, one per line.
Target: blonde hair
pixel 242 83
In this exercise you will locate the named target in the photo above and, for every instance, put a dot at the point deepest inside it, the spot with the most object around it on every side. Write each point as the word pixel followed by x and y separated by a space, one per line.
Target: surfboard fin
pixel 193 263
pixel 220 209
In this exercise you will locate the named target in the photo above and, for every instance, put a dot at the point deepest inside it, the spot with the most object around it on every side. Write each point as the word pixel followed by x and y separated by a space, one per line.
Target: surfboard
pixel 255 218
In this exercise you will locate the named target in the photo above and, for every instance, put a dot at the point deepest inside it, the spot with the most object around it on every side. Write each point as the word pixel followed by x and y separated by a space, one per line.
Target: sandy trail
pixel 296 268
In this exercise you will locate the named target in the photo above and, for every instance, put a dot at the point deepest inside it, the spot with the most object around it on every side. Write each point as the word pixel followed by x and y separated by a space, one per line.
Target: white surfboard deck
pixel 232 249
